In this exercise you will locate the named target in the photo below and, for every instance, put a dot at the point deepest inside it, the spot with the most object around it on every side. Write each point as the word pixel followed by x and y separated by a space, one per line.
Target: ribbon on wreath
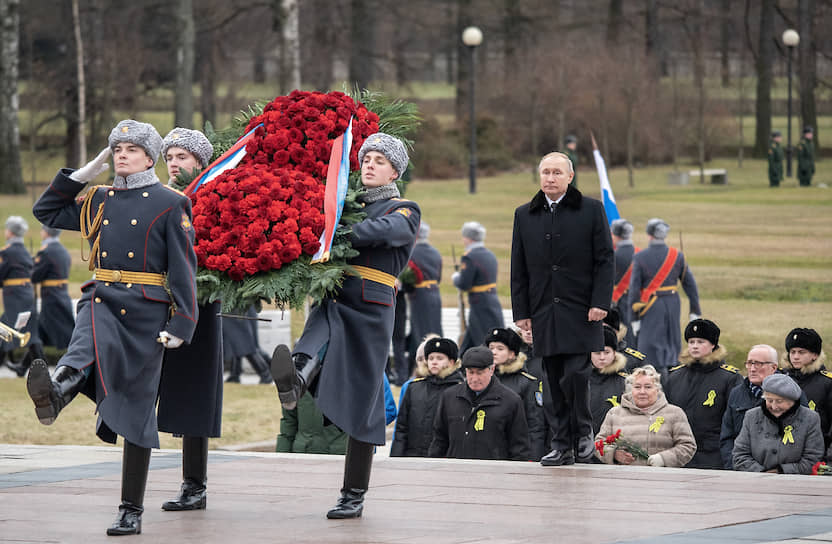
pixel 337 182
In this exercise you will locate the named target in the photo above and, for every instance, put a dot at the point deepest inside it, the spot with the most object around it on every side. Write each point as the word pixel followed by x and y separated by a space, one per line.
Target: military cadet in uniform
pixel 806 157
pixel 343 350
pixel 571 151
pixel 510 366
pixel 18 294
pixel 52 263
pixel 654 297
pixel 606 383
pixel 805 362
pixel 190 391
pixel 634 358
pixel 141 301
pixel 423 296
pixel 477 275
pixel 481 418
pixel 701 386
pixel 622 240
pixel 775 160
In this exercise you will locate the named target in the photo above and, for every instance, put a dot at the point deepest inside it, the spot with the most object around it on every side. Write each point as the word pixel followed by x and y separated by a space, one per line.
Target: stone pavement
pixel 70 494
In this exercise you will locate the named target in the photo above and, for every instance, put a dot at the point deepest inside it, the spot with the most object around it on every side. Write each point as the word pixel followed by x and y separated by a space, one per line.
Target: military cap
pixel 657 228
pixel 473 231
pixel 17 225
pixel 622 228
pixel 808 129
pixel 807 339
pixel 610 337
pixel 782 385
pixel 442 345
pixel 508 337
pixel 141 134
pixel 702 328
pixel 192 141
pixel 389 146
pixel 776 134
pixel 477 357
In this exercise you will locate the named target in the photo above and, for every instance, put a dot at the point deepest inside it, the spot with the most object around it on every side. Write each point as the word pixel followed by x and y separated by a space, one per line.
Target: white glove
pixel 92 169
pixel 655 460
pixel 168 340
pixel 636 325
pixel 694 316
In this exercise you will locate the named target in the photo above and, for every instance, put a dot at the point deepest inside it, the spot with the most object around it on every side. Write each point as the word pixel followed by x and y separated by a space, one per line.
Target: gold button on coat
pixel 103 253
pixel 133 222
pixel 97 299
pixel 145 194
pixel 111 193
pixel 106 221
pixel 130 254
pixel 123 311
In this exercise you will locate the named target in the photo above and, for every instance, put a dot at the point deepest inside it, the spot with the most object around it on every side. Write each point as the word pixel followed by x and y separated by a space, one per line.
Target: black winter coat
pixel 491 425
pixel 561 266
pixel 605 389
pixel 530 389
pixel 816 383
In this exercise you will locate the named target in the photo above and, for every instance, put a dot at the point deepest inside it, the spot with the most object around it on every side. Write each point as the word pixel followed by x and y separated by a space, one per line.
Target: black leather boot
pixel 357 465
pixel 261 365
pixel 134 465
pixel 192 495
pixel 292 374
pixel 235 371
pixel 52 394
pixel 33 352
pixel 585 449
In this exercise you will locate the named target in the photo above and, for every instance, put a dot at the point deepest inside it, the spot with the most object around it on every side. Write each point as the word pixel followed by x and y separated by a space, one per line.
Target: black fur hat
pixel 507 336
pixel 442 345
pixel 807 339
pixel 702 328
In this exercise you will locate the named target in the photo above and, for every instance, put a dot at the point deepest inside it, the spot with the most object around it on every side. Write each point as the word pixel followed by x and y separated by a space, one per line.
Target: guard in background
pixel 240 339
pixel 190 391
pixel 654 297
pixel 477 275
pixel 423 297
pixel 16 267
pixel 775 160
pixel 52 263
pixel 141 301
pixel 622 240
pixel 806 157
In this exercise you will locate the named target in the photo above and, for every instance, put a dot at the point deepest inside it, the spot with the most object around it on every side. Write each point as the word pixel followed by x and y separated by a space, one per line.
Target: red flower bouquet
pixel 821 469
pixel 630 447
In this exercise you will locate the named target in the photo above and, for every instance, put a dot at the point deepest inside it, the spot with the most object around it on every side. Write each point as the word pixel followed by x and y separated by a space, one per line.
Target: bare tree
pixel 765 58
pixel 82 102
pixel 11 180
pixel 290 59
pixel 807 68
pixel 362 43
pixel 725 32
pixel 185 53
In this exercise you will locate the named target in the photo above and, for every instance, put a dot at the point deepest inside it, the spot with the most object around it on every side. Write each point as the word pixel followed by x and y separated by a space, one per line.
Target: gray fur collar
pixel 819 364
pixel 717 356
pixel 136 181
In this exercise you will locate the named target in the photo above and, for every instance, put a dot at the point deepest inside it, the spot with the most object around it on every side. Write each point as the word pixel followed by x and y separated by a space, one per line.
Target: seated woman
pixel 646 419
pixel 781 435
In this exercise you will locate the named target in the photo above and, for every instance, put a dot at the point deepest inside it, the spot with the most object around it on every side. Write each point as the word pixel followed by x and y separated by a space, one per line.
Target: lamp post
pixel 790 39
pixel 472 38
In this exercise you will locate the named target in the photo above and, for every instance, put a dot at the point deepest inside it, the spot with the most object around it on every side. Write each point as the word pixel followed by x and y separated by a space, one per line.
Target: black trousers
pixel 568 377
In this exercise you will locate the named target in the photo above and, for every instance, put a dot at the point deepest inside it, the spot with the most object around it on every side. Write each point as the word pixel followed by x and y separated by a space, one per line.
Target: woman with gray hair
pixel 646 419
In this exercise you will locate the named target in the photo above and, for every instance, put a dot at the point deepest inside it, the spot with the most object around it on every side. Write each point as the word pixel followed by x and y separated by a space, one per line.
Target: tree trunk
pixel 185 44
pixel 291 45
pixel 725 32
pixel 11 180
pixel 699 77
pixel 464 19
pixel 615 16
pixel 741 107
pixel 653 48
pixel 362 43
pixel 807 69
pixel 630 142
pixel 765 59
pixel 208 78
pixel 82 102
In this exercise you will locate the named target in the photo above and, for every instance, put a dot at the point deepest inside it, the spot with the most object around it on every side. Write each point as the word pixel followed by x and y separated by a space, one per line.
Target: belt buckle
pixel 117 275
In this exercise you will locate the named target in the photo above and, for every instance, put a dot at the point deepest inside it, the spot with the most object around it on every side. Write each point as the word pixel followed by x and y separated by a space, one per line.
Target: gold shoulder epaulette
pixel 635 353
pixel 417 379
pixel 623 373
pixel 529 376
pixel 677 367
pixel 827 374
pixel 174 189
pixel 730 368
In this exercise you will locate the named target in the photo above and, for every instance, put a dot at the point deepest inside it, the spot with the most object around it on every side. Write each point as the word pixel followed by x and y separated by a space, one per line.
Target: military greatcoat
pixel 424 298
pixel 56 319
pixel 143 229
pixel 478 276
pixel 18 295
pixel 775 164
pixel 351 331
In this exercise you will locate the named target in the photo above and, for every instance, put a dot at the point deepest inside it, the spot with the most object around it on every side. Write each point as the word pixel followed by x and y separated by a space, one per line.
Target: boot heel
pixel 285 376
pixel 39 387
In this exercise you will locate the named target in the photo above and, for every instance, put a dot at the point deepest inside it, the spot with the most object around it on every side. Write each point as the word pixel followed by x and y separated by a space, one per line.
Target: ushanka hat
pixel 389 146
pixel 473 231
pixel 622 228
pixel 657 228
pixel 442 345
pixel 17 225
pixel 807 339
pixel 508 337
pixel 141 134
pixel 702 328
pixel 192 141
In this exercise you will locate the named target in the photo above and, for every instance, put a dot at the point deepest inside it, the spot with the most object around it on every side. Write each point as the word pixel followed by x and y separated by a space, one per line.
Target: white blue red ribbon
pixel 226 161
pixel 337 182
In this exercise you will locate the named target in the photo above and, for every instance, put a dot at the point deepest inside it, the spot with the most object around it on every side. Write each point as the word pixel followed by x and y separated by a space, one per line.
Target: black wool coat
pixel 561 266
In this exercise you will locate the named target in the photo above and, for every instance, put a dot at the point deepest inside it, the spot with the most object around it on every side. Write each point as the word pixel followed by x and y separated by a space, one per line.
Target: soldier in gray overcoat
pixel 52 263
pixel 561 288
pixel 342 353
pixel 423 296
pixel 141 300
pixel 622 239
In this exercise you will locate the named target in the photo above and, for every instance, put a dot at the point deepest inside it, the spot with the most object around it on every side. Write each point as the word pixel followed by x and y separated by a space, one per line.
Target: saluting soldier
pixel 423 296
pixel 805 362
pixel 141 300
pixel 701 386
pixel 571 151
pixel 16 267
pixel 806 157
pixel 477 275
pixel 622 240
pixel 775 160
pixel 343 350
pixel 654 297
pixel 51 272
pixel 190 391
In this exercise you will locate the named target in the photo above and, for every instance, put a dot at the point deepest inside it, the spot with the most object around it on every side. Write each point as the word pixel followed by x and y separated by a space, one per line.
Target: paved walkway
pixel 70 494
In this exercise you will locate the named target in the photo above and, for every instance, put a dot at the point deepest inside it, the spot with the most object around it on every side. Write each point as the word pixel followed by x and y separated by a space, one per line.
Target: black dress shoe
pixel 350 505
pixel 556 458
pixel 128 521
pixel 192 496
pixel 585 451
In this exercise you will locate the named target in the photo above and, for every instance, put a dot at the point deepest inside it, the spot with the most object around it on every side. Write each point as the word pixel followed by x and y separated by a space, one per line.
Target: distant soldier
pixel 423 295
pixel 622 239
pixel 56 319
pixel 571 151
pixel 240 340
pixel 654 297
pixel 775 160
pixel 806 157
pixel 478 276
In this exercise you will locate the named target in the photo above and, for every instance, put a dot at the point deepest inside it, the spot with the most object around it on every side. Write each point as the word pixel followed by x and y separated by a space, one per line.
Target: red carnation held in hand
pixel 268 210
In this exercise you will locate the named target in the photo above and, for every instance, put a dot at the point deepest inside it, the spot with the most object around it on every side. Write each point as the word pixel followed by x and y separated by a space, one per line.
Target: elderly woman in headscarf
pixel 779 436
pixel 646 419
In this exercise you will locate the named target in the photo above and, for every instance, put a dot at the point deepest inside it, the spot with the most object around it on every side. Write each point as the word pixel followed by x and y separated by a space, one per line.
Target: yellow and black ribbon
pixel 711 398
pixel 787 435
pixel 479 424
pixel 812 405
pixel 656 425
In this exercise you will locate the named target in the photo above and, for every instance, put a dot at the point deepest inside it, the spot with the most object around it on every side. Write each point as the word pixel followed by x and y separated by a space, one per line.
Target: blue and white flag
pixel 606 190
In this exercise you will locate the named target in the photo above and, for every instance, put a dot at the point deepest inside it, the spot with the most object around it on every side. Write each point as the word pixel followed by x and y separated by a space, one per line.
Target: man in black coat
pixel 561 285
pixel 482 418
